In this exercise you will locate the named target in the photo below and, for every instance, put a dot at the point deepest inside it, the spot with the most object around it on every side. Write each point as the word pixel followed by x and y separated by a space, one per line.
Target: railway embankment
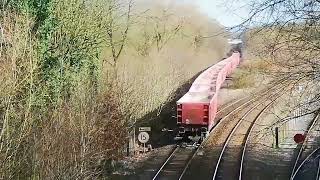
pixel 146 165
pixel 162 141
pixel 264 156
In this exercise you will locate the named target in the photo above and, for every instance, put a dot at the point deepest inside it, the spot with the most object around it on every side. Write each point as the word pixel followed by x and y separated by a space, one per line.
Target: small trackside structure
pixel 196 110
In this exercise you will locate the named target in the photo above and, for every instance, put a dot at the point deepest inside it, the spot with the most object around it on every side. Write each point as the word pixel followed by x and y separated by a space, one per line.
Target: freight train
pixel 196 110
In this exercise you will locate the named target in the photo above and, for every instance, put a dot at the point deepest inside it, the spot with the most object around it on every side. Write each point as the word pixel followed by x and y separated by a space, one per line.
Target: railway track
pixel 183 160
pixel 206 161
pixel 177 163
pixel 311 164
pixel 246 143
pixel 225 110
pixel 229 165
pixel 180 167
pixel 300 161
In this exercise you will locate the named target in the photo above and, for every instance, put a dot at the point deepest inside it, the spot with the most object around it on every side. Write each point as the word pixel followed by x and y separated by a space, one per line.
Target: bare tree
pixel 290 33
pixel 117 35
pixel 162 32
pixel 157 30
pixel 287 33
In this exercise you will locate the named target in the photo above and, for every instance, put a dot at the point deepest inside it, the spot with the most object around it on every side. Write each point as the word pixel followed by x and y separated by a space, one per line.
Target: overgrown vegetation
pixel 288 35
pixel 287 38
pixel 252 72
pixel 75 74
pixel 56 118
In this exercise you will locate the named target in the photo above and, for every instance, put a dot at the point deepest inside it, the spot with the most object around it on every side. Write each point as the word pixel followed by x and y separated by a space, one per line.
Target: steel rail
pixel 205 140
pixel 229 138
pixel 165 163
pixel 234 129
pixel 248 136
pixel 231 104
pixel 265 91
pixel 226 116
pixel 223 119
pixel 318 170
pixel 304 161
pixel 294 170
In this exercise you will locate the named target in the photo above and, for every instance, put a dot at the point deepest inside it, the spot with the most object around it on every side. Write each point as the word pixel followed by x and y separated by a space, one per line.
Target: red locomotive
pixel 196 110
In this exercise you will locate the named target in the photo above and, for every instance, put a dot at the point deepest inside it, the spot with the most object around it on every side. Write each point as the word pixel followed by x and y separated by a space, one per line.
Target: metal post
pixel 277 137
pixel 134 140
pixel 128 145
pixel 144 148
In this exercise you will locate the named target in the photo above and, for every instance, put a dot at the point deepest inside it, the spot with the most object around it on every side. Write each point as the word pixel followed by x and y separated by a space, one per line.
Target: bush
pixel 242 79
pixel 56 120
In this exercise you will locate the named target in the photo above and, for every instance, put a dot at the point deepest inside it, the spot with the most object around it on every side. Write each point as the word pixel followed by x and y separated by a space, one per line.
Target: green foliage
pixel 38 9
pixel 70 45
pixel 68 37
pixel 55 118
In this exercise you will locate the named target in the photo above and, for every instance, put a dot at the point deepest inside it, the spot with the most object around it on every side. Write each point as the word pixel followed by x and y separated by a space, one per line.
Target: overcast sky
pixel 227 12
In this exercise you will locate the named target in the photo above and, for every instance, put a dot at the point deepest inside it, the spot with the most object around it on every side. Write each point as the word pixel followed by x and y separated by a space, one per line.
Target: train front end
pixel 195 118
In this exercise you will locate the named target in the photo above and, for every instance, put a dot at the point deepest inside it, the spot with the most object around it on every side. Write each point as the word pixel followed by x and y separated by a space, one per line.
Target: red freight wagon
pixel 228 68
pixel 195 118
pixel 196 110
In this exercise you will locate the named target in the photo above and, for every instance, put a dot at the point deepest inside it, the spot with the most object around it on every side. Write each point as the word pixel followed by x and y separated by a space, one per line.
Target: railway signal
pixel 299 138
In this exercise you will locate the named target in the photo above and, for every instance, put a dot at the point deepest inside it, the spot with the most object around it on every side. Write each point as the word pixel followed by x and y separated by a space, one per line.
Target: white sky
pixel 227 12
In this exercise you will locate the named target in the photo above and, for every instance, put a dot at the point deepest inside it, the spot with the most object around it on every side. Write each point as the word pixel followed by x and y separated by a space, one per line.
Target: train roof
pixel 196 97
pixel 204 87
pixel 235 41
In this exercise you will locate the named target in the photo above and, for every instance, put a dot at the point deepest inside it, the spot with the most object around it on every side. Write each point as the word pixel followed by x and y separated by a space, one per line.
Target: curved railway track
pixel 215 148
pixel 245 146
pixel 180 170
pixel 299 161
pixel 312 173
pixel 225 166
pixel 179 160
